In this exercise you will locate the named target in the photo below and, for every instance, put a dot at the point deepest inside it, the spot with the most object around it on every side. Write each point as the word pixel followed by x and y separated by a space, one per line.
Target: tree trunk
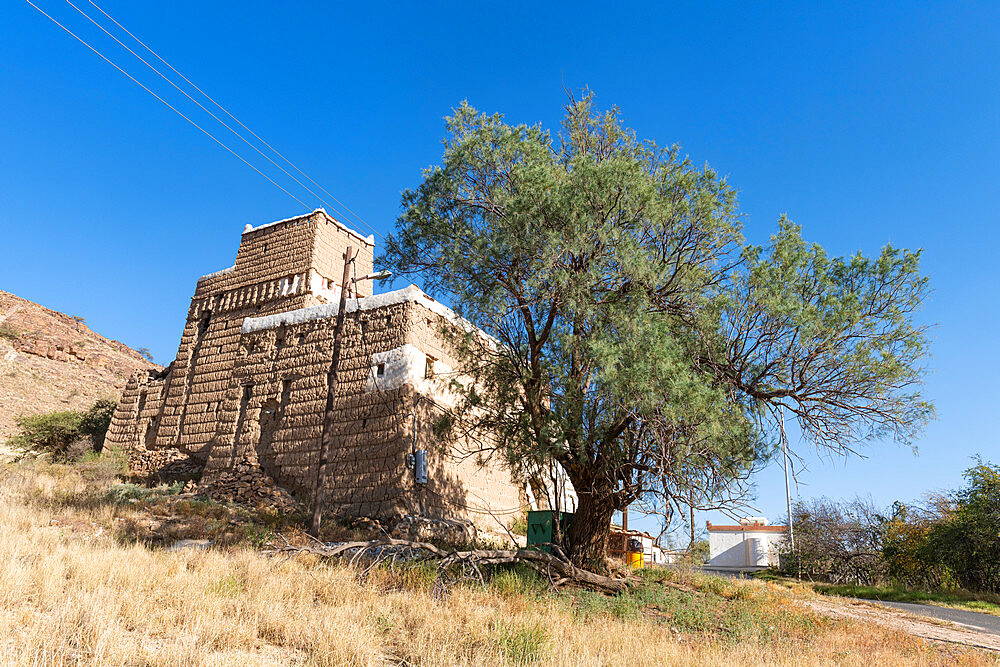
pixel 587 537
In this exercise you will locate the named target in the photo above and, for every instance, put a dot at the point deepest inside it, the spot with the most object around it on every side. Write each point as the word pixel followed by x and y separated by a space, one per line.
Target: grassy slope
pixel 85 581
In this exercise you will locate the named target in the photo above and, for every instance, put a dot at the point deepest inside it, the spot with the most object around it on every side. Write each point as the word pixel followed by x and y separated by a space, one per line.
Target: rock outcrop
pixel 52 361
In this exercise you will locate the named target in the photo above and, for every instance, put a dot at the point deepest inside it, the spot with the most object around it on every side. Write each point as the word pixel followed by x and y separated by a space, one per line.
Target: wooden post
pixel 691 521
pixel 331 381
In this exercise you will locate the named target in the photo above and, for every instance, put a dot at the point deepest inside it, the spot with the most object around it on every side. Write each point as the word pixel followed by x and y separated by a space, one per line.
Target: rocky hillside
pixel 51 361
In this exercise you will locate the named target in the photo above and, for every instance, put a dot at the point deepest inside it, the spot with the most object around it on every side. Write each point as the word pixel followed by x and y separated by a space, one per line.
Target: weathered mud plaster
pixel 249 382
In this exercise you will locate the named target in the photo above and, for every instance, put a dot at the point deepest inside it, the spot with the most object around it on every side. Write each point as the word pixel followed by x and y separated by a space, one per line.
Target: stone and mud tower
pixel 248 388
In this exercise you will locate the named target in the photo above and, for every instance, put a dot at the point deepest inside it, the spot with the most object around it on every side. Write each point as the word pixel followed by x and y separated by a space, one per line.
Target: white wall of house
pixel 744 547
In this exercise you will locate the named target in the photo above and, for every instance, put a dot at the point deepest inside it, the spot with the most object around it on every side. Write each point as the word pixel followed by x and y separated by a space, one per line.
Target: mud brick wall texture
pixel 236 395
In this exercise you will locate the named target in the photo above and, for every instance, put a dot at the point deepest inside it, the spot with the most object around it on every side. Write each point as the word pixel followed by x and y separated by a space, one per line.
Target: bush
pixel 698 553
pixel 9 332
pixel 837 541
pixel 56 433
pixel 951 541
pixel 50 433
pixel 94 422
pixel 967 538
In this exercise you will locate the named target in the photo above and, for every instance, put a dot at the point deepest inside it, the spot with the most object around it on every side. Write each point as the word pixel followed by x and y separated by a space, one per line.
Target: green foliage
pixel 55 433
pixel 50 433
pixel 700 603
pixel 522 645
pixel 833 338
pixel 968 542
pixel 948 545
pixel 642 343
pixel 232 585
pixel 259 536
pixel 130 494
pixel 519 580
pixel 622 606
pixel 698 552
pixel 144 352
pixel 9 332
pixel 443 425
pixel 520 525
pixel 961 539
pixel 95 421
pixel 839 542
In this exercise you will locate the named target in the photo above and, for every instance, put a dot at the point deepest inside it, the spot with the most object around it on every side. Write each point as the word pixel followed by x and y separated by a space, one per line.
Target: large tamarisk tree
pixel 634 337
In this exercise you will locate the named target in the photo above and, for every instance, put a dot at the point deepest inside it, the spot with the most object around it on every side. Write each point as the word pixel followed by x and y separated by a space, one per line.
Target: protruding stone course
pixel 246 393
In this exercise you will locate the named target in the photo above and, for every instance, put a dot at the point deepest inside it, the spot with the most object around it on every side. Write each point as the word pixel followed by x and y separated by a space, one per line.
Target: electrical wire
pixel 185 93
pixel 224 110
pixel 171 107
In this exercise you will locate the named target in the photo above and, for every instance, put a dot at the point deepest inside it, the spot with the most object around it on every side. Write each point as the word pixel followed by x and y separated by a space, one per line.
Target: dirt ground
pixel 925 628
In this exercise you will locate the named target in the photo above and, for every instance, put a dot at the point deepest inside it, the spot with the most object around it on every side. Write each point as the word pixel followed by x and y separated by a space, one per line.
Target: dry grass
pixel 77 589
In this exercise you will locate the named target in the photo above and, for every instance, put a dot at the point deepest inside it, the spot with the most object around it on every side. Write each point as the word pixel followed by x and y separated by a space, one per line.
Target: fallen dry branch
pixel 558 569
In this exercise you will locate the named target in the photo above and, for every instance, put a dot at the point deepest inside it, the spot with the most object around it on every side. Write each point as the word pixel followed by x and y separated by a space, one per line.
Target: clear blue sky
pixel 865 123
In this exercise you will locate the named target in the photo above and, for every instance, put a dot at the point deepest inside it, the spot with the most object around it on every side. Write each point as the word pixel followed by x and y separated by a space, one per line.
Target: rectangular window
pixel 380 371
pixel 429 367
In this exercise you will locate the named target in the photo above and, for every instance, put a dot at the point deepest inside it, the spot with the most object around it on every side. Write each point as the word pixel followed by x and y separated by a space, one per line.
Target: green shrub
pixel 94 422
pixel 519 580
pixel 8 332
pixel 129 493
pixel 50 433
pixel 258 536
pixel 524 645
pixel 56 433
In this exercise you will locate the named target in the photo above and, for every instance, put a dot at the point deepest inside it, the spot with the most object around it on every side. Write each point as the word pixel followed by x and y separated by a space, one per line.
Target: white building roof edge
pixel 412 294
pixel 222 272
pixel 370 239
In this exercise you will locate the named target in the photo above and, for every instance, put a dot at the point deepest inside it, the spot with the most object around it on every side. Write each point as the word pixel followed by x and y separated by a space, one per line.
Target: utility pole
pixel 788 489
pixel 691 520
pixel 331 379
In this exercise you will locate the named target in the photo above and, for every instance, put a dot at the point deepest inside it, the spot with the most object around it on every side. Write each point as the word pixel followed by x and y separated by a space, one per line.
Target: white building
pixel 752 545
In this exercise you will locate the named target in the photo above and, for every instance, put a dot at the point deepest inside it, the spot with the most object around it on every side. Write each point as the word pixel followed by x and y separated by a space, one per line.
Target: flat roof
pixel 751 528
pixel 370 239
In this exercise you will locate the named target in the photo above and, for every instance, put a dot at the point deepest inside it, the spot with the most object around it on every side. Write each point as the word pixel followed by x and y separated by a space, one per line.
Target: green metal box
pixel 541 526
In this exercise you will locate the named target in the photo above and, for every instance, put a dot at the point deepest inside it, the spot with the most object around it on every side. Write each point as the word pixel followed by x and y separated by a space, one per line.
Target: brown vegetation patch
pixel 80 589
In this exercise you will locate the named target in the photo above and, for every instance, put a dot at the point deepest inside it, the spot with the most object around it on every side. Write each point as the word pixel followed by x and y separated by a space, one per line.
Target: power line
pixel 224 110
pixel 171 107
pixel 185 93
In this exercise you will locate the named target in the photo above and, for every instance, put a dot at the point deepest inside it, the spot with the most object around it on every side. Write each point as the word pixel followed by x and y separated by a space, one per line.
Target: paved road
pixel 973 620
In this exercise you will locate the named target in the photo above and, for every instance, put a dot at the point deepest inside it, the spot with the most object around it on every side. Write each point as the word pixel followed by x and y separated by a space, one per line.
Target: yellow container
pixel 634 559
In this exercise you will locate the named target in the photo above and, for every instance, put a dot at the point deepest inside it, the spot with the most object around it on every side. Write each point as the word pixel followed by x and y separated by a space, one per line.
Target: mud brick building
pixel 249 384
